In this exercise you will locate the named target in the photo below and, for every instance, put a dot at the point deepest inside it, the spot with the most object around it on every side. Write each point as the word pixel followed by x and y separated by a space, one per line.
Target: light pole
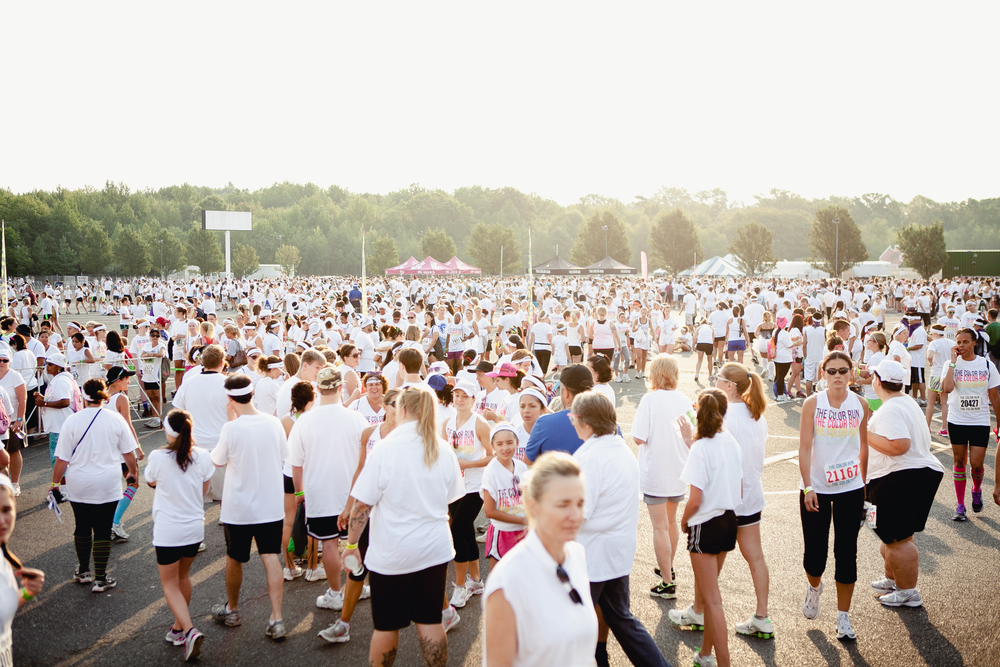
pixel 605 228
pixel 420 235
pixel 836 252
pixel 161 258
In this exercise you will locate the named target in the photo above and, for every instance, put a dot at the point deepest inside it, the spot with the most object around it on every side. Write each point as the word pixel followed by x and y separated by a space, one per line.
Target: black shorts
pixel 575 351
pixel 720 339
pixel 151 386
pixel 289 485
pixel 399 599
pixel 715 536
pixel 239 536
pixel 609 353
pixel 324 528
pixel 750 520
pixel 903 499
pixel 704 347
pixel 916 375
pixel 14 444
pixel 170 555
pixel 972 436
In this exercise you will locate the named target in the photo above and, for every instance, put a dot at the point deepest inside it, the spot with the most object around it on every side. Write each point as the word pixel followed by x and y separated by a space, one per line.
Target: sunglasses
pixel 840 370
pixel 574 594
pixel 391 404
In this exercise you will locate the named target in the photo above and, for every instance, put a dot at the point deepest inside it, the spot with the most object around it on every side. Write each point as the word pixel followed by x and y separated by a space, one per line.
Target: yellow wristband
pixel 351 547
pixel 54 484
pixel 807 489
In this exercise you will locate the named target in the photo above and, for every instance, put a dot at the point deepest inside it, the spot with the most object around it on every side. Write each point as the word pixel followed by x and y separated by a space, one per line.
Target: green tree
pixel 674 242
pixel 827 253
pixel 244 260
pixel 380 253
pixel 95 254
pixel 172 253
pixel 485 243
pixel 594 243
pixel 438 245
pixel 753 249
pixel 203 251
pixel 923 248
pixel 131 253
pixel 287 257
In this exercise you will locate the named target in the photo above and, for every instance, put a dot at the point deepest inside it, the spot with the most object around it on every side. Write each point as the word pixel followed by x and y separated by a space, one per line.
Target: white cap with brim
pixel 890 370
pixel 57 359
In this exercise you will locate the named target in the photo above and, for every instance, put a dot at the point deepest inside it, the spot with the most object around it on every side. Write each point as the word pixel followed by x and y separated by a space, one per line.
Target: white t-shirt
pixel 62 386
pixel 940 352
pixel 265 393
pixel 178 504
pixel 506 494
pixel 204 396
pixel 973 380
pixel 715 465
pixel 10 597
pixel 252 448
pixel 326 443
pixel 10 382
pixel 284 398
pixel 605 388
pixel 783 343
pixel 662 457
pixel 94 473
pixel 897 349
pixel 899 418
pixel 409 522
pixel 751 434
pixel 917 357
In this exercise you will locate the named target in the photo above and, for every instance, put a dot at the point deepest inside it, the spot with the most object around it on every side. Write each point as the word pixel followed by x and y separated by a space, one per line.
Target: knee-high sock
pixel 102 552
pixel 124 503
pixel 83 545
pixel 977 479
pixel 959 475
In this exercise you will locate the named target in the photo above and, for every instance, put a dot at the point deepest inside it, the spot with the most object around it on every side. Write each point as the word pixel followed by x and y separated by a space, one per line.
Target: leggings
pixel 543 357
pixel 621 355
pixel 780 371
pixel 847 510
pixel 463 529
pixel 93 528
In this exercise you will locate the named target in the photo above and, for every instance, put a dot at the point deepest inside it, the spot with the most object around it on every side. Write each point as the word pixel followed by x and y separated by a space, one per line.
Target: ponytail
pixel 711 410
pixel 420 402
pixel 180 422
pixel 748 385
pixel 11 558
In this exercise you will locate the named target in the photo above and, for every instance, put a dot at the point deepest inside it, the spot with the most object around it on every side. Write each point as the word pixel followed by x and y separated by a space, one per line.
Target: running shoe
pixel 685 618
pixel 221 614
pixel 201 547
pixel 673 574
pixel 366 592
pixel 977 501
pixel 154 424
pixel 628 378
pixel 703 660
pixel 450 618
pixel 474 587
pixel 619 379
pixel 338 633
pixel 460 597
pixel 101 585
pixel 960 514
pixel 756 627
pixel 884 585
pixel 83 577
pixel 317 574
pixel 810 608
pixel 175 637
pixel 275 630
pixel 664 590
pixel 481 538
pixel 17 489
pixel 755 359
pixel 292 573
pixel 943 432
pixel 844 629
pixel 192 644
pixel 117 532
pixel 898 598
pixel 331 600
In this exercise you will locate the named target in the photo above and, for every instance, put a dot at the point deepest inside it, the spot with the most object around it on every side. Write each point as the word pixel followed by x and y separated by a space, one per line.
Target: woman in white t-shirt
pixel 538 610
pixel 783 358
pixel 744 390
pixel 13 387
pixel 180 473
pixel 667 329
pixel 938 354
pixel 532 404
pixel 540 341
pixel 501 494
pixel 875 351
pixel 601 370
pixel 705 345
pixel 80 358
pixel 642 337
pixel 370 404
pixel 662 454
pixel 12 595
pixel 265 394
pixel 714 472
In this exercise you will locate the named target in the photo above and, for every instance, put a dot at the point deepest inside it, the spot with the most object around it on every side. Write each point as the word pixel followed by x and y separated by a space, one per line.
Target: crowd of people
pixel 364 427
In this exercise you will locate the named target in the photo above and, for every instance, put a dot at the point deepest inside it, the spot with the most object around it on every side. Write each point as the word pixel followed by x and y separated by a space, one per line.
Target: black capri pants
pixel 463 526
pixel 94 520
pixel 847 510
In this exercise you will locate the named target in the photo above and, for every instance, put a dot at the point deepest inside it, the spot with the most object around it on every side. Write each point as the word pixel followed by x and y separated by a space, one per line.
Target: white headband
pixel 502 426
pixel 277 364
pixel 168 429
pixel 240 391
pixel 536 394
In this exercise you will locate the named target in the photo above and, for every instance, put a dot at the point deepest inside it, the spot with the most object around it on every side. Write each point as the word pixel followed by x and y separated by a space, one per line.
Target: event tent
pixel 458 266
pixel 557 266
pixel 431 267
pixel 716 266
pixel 610 266
pixel 403 269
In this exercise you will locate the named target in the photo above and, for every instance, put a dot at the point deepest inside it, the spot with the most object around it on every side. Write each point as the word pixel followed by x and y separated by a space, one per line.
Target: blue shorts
pixel 736 345
pixel 53 441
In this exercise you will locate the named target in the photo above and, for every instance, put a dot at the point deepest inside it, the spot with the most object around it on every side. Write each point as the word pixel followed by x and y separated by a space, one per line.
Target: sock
pixel 841 614
pixel 977 479
pixel 601 654
pixel 908 591
pixel 102 553
pixel 124 503
pixel 959 476
pixel 83 551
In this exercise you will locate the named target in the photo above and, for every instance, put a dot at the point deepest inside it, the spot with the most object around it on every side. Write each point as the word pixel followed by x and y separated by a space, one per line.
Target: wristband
pixel 54 485
pixel 808 489
pixel 351 547
pixel 951 365
pixel 299 494
pixel 26 595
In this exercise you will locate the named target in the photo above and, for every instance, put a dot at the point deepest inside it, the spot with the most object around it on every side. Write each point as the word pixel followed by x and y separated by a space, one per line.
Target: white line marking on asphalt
pixel 784 456
pixel 784 437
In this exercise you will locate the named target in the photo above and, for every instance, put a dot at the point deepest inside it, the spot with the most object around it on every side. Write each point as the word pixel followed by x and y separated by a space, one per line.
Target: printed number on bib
pixel 969 402
pixel 845 472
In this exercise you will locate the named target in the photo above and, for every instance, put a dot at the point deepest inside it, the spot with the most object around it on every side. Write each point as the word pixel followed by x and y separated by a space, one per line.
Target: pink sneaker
pixel 943 432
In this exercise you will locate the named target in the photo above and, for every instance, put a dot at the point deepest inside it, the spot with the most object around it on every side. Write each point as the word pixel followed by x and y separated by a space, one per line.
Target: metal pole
pixel 836 252
pixel 501 262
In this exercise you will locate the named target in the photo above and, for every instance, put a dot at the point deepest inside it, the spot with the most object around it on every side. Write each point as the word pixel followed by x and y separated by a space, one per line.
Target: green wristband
pixel 299 494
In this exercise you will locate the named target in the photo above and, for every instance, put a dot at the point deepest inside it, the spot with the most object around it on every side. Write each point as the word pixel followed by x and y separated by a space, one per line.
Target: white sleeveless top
pixel 467 447
pixel 364 408
pixel 373 439
pixel 836 467
pixel 77 366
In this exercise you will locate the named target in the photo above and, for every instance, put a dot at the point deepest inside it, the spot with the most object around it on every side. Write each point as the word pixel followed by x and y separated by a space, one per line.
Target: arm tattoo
pixel 359 517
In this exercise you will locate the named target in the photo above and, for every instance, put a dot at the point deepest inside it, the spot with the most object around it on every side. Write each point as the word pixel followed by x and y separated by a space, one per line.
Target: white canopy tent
pixel 717 267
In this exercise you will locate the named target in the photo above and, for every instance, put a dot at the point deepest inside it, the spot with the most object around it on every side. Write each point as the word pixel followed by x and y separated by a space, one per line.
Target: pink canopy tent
pixel 457 265
pixel 406 268
pixel 431 267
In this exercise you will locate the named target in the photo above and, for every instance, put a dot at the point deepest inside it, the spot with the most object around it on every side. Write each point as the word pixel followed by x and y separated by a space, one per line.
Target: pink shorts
pixel 499 542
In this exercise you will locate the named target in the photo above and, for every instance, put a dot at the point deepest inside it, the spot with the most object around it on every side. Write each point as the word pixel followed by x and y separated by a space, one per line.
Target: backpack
pixel 772 348
pixel 4 418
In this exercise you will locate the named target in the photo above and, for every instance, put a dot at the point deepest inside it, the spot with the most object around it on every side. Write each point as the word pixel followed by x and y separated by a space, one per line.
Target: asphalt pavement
pixel 959 623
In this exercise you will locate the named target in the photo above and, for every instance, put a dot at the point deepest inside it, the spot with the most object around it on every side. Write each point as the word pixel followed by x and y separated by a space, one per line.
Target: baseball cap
pixel 890 370
pixel 483 367
pixel 365 322
pixel 328 378
pixel 577 378
pixel 117 373
pixel 506 370
pixel 437 382
pixel 57 359
pixel 468 387
pixel 5 352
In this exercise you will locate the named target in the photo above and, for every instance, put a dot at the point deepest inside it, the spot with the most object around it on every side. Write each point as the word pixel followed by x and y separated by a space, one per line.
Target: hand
pixel 686 429
pixel 343 519
pixel 299 500
pixel 39 400
pixel 31 579
pixel 812 502
pixel 954 354
pixel 15 426
pixel 684 527
pixel 139 454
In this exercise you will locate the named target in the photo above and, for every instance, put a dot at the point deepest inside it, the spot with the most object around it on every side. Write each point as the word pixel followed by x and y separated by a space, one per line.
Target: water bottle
pixel 352 560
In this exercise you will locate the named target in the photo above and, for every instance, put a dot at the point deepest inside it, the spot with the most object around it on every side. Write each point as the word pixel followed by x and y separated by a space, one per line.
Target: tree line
pixel 317 231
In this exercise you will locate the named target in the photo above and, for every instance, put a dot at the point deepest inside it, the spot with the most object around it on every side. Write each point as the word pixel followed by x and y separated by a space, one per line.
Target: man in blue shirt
pixel 354 296
pixel 555 433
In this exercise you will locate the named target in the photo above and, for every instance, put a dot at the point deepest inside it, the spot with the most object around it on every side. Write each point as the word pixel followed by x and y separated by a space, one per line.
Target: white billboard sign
pixel 227 221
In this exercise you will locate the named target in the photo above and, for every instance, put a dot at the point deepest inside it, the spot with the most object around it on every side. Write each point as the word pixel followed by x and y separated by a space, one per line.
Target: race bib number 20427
pixel 845 472
pixel 969 403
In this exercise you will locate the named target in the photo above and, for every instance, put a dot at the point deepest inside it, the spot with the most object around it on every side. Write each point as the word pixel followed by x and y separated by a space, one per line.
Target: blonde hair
pixel 748 385
pixel 663 372
pixel 421 402
pixel 549 466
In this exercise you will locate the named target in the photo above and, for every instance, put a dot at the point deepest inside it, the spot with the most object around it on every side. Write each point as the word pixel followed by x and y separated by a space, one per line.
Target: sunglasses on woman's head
pixel 840 370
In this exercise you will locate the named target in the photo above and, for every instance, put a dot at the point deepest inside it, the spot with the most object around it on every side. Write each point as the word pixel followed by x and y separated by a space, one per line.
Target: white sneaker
pixel 366 592
pixel 474 587
pixel 844 629
pixel 687 618
pixel 460 597
pixel 338 633
pixel 810 608
pixel 481 538
pixel 628 378
pixel 118 532
pixel 450 618
pixel 319 574
pixel 293 573
pixel 884 585
pixel 331 600
pixel 17 489
pixel 756 627
pixel 898 598
pixel 619 379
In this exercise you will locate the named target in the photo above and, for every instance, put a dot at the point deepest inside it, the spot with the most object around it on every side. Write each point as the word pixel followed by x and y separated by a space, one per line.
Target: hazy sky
pixel 560 99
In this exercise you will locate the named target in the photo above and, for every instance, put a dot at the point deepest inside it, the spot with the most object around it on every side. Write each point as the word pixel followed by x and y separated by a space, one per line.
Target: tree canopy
pixel 923 248
pixel 753 248
pixel 603 235
pixel 835 241
pixel 675 241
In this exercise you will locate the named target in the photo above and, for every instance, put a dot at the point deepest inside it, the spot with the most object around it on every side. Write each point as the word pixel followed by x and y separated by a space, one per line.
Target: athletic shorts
pixel 15 444
pixel 704 347
pixel 609 353
pixel 715 536
pixel 719 339
pixel 575 350
pixel 499 542
pixel 151 386
pixel 736 345
pixel 903 500
pixel 401 599
pixel 750 520
pixel 289 485
pixel 455 355
pixel 239 537
pixel 934 383
pixel 916 375
pixel 973 436
pixel 170 555
pixel 660 500
pixel 324 528
pixel 689 319
pixel 809 370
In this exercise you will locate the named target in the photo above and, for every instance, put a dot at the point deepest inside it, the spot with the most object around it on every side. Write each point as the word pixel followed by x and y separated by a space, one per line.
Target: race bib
pixel 871 516
pixel 840 474
pixel 148 367
pixel 969 403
